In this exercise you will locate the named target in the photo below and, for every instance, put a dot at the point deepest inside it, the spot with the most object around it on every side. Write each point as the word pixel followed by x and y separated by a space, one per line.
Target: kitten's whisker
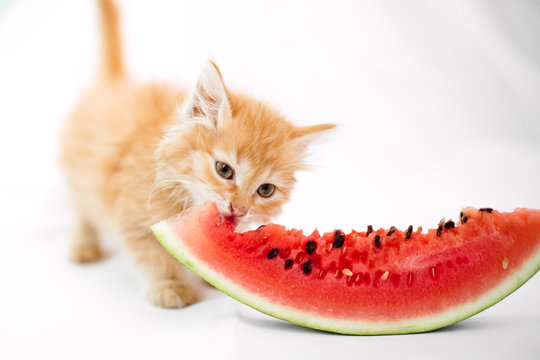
pixel 162 185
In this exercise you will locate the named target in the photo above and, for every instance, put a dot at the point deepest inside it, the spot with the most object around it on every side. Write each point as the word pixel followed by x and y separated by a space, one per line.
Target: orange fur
pixel 132 159
pixel 112 50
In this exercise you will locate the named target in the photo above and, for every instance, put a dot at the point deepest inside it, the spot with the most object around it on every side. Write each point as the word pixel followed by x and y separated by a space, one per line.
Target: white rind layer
pixel 174 245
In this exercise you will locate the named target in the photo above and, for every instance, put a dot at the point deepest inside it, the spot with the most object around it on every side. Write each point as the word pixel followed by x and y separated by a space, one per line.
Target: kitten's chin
pixel 245 226
pixel 250 222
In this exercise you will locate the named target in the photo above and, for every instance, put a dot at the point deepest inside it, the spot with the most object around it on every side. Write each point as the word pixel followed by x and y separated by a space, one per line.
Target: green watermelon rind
pixel 168 238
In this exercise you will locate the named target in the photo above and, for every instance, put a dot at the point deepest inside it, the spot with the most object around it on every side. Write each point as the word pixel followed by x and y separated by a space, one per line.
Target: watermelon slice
pixel 370 282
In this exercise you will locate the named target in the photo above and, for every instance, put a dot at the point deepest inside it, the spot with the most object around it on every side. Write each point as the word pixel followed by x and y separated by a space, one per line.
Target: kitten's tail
pixel 112 62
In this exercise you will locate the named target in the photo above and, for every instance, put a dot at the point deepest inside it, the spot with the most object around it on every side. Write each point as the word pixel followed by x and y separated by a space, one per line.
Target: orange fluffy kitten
pixel 136 154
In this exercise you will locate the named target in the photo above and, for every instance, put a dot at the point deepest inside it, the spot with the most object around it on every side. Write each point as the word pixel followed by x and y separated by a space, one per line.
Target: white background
pixel 438 105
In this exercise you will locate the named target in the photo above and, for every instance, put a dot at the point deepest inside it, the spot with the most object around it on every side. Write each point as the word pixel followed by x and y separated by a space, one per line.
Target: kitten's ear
pixel 304 135
pixel 208 102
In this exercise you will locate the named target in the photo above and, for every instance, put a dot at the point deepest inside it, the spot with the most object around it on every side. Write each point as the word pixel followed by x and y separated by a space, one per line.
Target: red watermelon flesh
pixel 368 282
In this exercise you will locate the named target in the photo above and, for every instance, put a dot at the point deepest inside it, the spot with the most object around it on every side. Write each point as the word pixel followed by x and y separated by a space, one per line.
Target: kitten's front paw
pixel 172 294
pixel 85 252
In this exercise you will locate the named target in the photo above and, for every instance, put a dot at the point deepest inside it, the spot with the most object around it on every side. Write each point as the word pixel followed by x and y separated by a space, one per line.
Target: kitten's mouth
pixel 230 215
pixel 230 218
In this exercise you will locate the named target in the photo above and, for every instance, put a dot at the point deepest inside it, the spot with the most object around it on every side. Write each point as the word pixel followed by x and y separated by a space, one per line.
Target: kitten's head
pixel 233 150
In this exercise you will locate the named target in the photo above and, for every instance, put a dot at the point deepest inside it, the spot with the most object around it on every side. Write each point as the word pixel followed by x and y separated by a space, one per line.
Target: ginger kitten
pixel 136 154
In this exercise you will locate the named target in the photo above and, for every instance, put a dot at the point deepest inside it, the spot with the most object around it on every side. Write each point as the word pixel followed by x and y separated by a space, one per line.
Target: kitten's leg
pixel 168 287
pixel 85 247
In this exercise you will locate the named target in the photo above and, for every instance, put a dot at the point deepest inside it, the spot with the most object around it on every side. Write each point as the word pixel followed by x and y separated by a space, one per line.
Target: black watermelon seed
pixel 409 232
pixel 272 253
pixel 369 230
pixel 439 229
pixel 463 217
pixel 288 263
pixel 307 267
pixel 449 224
pixel 311 246
pixel 486 209
pixel 339 239
pixel 261 226
pixel 392 230
pixel 377 241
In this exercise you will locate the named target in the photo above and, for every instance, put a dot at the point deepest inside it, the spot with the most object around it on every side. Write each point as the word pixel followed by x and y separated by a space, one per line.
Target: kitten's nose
pixel 237 210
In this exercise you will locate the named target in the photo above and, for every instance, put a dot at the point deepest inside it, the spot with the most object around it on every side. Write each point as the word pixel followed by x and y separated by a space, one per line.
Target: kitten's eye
pixel 224 170
pixel 266 190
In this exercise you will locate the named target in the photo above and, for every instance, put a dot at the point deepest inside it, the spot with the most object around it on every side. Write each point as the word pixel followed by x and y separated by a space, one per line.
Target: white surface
pixel 438 105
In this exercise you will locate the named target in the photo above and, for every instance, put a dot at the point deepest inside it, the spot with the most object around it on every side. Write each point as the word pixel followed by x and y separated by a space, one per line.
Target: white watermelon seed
pixel 347 272
pixel 505 263
pixel 385 275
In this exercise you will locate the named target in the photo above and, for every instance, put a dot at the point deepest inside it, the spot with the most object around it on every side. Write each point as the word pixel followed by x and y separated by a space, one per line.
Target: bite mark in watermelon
pixel 372 282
